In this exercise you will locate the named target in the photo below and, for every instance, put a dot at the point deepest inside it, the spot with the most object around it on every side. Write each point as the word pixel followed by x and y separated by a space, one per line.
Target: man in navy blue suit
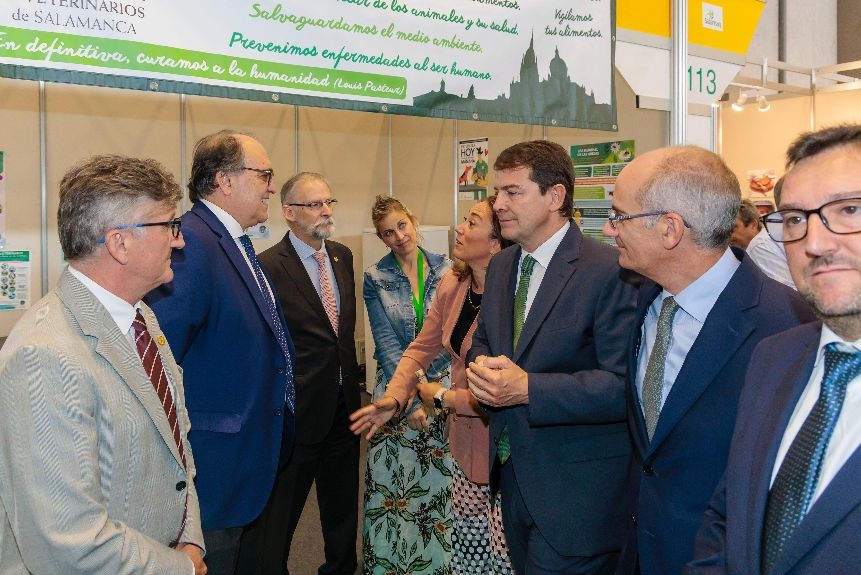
pixel 789 502
pixel 548 359
pixel 226 330
pixel 703 310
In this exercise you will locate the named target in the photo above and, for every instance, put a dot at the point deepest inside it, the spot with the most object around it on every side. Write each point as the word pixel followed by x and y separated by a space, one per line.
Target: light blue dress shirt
pixel 306 256
pixel 695 303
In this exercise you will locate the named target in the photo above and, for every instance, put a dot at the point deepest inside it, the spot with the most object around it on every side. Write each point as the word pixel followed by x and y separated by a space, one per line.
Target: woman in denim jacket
pixel 407 521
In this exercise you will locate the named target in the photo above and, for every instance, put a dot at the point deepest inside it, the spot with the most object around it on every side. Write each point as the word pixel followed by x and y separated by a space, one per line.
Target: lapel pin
pixel 335 258
pixel 160 340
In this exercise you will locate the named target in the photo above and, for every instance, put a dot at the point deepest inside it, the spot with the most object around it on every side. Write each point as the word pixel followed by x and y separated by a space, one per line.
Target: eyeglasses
pixel 839 217
pixel 615 218
pixel 174 225
pixel 264 174
pixel 314 205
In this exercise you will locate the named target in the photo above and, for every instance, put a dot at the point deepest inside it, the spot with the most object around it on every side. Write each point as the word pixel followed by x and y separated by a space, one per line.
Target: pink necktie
pixel 327 294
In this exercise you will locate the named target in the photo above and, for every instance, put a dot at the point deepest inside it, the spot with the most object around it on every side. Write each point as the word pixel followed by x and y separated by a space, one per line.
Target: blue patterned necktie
pixel 273 313
pixel 795 483
pixel 653 380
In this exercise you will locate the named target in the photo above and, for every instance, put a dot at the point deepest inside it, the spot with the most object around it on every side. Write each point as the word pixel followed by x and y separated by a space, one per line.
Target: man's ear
pixel 557 195
pixel 673 229
pixel 116 244
pixel 225 182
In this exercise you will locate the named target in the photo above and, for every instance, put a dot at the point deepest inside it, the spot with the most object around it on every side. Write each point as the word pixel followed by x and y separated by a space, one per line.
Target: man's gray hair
pixel 698 185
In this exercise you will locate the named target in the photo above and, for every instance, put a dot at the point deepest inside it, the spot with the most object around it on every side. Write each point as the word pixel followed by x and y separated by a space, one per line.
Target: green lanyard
pixel 418 300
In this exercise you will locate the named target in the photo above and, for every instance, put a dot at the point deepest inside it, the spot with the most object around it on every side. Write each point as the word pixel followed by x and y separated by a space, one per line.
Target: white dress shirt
pixel 846 437
pixel 542 255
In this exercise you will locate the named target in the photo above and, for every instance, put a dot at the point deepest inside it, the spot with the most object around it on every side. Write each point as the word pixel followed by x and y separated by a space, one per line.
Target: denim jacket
pixel 389 301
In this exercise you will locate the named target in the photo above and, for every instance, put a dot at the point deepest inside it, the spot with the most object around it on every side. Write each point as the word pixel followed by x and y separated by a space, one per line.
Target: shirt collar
pixel 699 297
pixel 828 336
pixel 303 250
pixel 234 228
pixel 120 310
pixel 544 253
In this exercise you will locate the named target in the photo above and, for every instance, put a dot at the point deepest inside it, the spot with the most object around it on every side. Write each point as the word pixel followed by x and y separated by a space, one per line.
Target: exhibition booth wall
pixel 362 154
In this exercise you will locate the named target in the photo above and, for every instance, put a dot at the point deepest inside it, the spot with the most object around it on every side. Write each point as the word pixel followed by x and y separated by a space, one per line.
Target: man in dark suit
pixel 313 278
pixel 548 358
pixel 226 331
pixel 703 310
pixel 789 502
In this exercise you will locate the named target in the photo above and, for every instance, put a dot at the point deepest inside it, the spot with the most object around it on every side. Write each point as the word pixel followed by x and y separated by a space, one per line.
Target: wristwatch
pixel 437 398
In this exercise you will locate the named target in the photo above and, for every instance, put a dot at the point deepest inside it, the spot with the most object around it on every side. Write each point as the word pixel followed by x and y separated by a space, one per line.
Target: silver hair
pixel 104 192
pixel 698 185
pixel 290 185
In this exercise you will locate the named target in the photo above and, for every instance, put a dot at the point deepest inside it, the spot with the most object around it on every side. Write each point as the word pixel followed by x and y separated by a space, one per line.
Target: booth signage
pixel 523 61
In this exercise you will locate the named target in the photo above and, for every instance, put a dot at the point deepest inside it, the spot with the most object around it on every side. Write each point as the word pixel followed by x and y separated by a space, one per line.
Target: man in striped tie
pixel 312 276
pixel 96 471
pixel 789 502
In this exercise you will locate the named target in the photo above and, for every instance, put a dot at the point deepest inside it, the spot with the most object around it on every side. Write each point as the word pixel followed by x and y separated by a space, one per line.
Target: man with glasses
pixel 768 254
pixel 703 311
pixel 313 278
pixel 96 470
pixel 789 502
pixel 226 330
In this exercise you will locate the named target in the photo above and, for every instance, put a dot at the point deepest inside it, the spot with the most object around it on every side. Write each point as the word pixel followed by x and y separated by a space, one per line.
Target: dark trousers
pixel 334 465
pixel 222 550
pixel 530 552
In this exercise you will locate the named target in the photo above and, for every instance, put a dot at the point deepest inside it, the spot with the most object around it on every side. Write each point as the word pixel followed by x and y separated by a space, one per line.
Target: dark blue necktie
pixel 795 483
pixel 273 313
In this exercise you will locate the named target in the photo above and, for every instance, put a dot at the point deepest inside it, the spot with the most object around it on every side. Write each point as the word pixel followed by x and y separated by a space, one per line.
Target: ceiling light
pixel 737 105
pixel 764 106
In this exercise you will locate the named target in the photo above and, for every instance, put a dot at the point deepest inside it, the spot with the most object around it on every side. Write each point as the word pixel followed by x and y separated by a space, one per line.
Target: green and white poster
pixel 14 280
pixel 596 167
pixel 2 201
pixel 524 61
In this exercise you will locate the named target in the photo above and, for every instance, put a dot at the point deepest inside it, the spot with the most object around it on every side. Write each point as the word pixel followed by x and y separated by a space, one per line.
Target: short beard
pixel 846 322
pixel 322 230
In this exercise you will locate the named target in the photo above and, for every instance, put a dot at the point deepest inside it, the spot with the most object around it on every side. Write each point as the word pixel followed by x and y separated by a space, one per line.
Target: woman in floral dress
pixel 407 520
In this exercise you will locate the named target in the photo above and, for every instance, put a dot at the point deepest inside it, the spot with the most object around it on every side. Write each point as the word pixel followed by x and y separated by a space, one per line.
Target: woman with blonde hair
pixel 478 542
pixel 407 520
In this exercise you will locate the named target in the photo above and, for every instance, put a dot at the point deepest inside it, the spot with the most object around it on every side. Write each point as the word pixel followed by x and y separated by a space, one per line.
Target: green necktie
pixel 503 445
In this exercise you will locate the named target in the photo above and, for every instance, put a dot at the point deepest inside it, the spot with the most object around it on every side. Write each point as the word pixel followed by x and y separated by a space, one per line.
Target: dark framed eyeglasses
pixel 174 225
pixel 314 205
pixel 264 174
pixel 615 217
pixel 839 217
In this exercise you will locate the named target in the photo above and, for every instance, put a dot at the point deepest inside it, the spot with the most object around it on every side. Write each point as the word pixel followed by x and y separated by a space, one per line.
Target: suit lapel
pixel 647 294
pixel 836 502
pixel 342 278
pixel 767 433
pixel 508 262
pixel 237 259
pixel 114 346
pixel 302 282
pixel 559 273
pixel 725 330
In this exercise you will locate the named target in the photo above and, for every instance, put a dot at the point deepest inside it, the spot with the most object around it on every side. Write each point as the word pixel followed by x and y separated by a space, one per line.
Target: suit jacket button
pixel 634 519
pixel 647 469
pixel 180 486
pixel 278 412
pixel 280 371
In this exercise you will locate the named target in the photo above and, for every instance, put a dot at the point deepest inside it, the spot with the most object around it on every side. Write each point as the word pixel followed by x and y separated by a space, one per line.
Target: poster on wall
pixel 760 188
pixel 2 200
pixel 545 62
pixel 596 167
pixel 14 280
pixel 472 168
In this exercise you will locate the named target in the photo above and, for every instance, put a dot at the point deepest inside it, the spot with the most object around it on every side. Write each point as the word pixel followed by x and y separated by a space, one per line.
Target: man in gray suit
pixel 96 473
